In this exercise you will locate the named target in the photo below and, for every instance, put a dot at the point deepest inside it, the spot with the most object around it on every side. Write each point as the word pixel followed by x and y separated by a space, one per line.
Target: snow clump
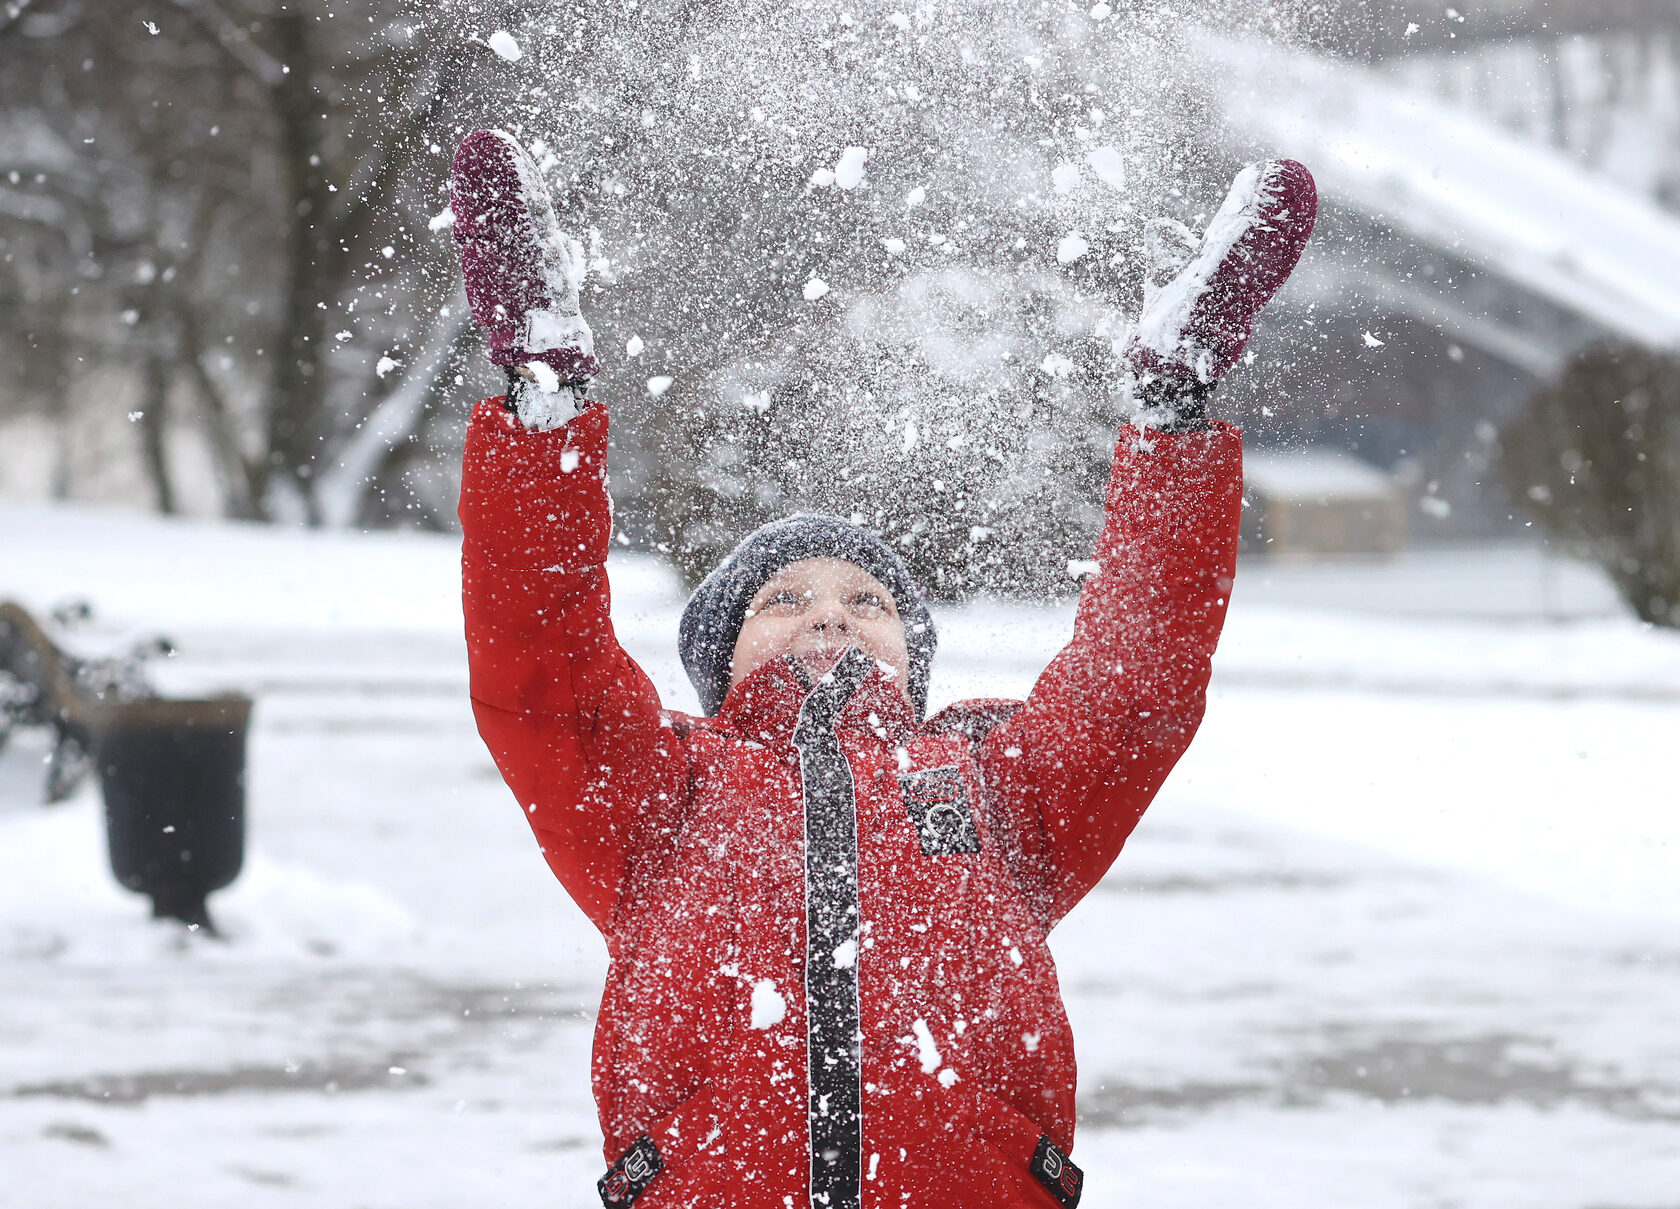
pixel 848 169
pixel 927 1053
pixel 815 289
pixel 1161 325
pixel 1073 245
pixel 768 1007
pixel 503 44
pixel 1109 166
pixel 544 376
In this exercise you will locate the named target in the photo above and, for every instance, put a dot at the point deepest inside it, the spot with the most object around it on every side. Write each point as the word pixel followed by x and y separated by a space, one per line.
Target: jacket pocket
pixel 937 801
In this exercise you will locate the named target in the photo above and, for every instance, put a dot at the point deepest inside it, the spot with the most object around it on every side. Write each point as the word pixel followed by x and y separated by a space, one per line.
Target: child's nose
pixel 828 615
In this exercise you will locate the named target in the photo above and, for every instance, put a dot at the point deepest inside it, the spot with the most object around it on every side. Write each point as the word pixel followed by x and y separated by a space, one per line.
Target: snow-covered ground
pixel 1401 930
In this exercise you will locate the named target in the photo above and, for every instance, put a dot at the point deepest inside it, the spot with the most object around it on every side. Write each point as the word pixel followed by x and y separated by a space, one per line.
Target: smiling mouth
pixel 819 661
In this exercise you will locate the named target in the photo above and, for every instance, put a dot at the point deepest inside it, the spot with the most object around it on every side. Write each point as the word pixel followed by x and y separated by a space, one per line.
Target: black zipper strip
pixel 834 1017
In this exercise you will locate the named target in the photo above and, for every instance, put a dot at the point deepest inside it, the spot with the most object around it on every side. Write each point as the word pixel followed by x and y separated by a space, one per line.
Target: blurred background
pixel 1402 920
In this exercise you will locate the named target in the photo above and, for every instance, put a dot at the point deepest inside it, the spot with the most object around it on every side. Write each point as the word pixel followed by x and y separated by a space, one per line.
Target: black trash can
pixel 173 776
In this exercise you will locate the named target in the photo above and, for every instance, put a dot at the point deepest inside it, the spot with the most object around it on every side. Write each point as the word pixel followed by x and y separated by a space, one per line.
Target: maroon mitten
pixel 1194 326
pixel 522 272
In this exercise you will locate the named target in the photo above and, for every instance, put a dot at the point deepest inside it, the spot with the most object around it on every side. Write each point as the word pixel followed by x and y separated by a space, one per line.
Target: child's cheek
pixel 761 639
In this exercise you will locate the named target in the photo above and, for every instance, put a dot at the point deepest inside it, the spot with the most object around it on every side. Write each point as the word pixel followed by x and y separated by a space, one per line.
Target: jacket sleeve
pixel 574 725
pixel 1070 774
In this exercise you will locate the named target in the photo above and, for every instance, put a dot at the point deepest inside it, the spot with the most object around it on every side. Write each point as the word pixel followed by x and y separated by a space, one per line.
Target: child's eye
pixel 869 602
pixel 785 599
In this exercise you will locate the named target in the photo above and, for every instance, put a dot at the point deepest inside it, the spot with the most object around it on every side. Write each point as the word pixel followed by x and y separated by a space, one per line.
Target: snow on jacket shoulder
pixel 830 982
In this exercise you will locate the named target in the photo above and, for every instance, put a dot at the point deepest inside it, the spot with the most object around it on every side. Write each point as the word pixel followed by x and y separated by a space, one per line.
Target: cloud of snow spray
pixel 874 254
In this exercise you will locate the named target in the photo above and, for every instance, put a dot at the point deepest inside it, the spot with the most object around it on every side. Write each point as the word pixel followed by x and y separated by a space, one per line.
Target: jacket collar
pixel 765 706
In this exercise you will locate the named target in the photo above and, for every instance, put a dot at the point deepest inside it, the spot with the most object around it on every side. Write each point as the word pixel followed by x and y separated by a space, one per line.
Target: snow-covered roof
pixel 1315 475
pixel 1458 182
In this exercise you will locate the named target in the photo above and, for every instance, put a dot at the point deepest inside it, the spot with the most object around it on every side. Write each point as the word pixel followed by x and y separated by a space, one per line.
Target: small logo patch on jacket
pixel 937 800
pixel 1057 1173
pixel 629 1177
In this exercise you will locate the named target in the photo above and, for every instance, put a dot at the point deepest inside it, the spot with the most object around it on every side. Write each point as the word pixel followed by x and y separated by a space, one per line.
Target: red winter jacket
pixel 830 984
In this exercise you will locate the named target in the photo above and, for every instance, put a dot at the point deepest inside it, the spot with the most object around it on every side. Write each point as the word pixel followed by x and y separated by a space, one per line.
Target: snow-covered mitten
pixel 522 275
pixel 1201 299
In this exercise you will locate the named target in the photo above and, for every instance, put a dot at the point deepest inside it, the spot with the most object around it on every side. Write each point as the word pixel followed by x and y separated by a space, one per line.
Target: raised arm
pixel 574 725
pixel 1070 774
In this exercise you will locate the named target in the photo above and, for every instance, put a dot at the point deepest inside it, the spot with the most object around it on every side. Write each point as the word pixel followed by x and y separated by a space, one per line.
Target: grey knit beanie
pixel 712 621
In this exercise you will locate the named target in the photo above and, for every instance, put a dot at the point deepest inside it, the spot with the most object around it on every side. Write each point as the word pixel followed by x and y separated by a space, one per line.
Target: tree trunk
pixel 295 418
pixel 154 421
pixel 1558 94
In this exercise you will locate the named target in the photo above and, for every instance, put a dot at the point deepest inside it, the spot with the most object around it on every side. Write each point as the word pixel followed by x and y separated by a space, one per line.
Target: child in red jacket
pixel 826 913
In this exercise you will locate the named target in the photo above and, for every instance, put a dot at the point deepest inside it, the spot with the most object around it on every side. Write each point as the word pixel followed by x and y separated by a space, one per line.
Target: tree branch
pixel 420 115
pixel 12 13
pixel 54 215
pixel 340 489
pixel 234 41
pixel 243 476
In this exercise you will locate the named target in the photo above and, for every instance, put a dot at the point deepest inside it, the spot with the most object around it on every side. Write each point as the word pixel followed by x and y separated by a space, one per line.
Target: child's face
pixel 813 610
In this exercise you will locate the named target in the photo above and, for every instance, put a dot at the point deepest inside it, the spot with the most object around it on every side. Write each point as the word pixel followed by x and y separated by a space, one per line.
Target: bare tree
pixel 206 186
